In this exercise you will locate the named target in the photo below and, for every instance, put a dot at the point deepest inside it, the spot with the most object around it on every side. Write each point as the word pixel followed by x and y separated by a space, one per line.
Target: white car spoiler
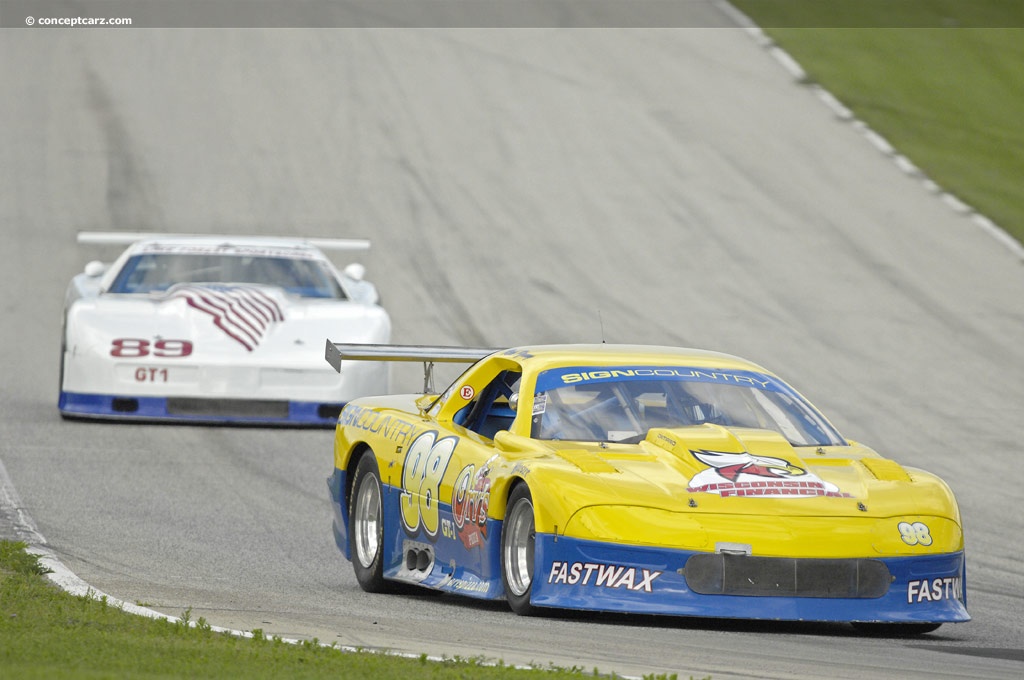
pixel 335 353
pixel 127 238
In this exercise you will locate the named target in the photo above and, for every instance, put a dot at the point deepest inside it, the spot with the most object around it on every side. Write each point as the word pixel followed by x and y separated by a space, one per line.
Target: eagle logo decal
pixel 744 474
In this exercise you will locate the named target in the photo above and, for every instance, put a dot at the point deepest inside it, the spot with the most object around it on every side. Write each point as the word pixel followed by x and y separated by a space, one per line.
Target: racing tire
pixel 895 629
pixel 366 526
pixel 517 540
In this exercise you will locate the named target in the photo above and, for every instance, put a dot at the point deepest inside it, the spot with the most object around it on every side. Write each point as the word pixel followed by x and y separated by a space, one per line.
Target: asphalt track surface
pixel 656 186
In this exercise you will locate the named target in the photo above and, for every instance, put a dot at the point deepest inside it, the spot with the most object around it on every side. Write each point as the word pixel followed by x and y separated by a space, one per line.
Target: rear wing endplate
pixel 335 353
pixel 124 238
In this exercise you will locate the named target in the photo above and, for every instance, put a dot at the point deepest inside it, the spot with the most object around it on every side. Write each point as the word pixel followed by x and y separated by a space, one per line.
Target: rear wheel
pixel 517 539
pixel 366 526
pixel 895 629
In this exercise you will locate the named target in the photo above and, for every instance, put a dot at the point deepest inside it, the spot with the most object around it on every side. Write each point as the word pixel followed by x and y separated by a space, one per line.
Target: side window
pixel 492 410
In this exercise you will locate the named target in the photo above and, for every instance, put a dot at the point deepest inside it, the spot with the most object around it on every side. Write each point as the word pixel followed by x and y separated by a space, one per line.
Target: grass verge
pixel 939 79
pixel 47 633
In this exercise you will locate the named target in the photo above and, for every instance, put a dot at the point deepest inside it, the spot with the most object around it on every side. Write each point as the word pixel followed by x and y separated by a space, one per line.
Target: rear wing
pixel 124 238
pixel 335 353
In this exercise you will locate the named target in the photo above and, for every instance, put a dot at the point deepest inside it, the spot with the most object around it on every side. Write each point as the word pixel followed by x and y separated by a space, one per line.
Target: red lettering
pixel 151 374
pixel 134 348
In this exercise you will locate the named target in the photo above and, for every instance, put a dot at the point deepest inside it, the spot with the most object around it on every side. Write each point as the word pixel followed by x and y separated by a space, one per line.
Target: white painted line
pixel 997 233
pixel 24 527
pixel 735 14
pixel 788 63
pixel 70 583
pixel 831 102
pixel 956 204
pixel 759 36
pixel 878 141
pixel 905 164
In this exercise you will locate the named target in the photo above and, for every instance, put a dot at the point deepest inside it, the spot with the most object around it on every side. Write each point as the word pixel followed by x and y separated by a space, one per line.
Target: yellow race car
pixel 639 479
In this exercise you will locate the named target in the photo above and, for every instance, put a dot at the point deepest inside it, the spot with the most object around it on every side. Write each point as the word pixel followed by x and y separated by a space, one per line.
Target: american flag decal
pixel 244 313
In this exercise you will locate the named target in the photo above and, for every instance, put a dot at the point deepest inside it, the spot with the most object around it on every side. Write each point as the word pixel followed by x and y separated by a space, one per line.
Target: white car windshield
pixel 621 403
pixel 151 272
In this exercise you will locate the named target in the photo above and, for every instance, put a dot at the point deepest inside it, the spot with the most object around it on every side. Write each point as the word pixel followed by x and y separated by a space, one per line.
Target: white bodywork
pixel 218 350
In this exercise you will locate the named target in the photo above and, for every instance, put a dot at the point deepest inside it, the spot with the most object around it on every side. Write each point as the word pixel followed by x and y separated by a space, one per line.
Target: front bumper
pixel 211 393
pixel 591 575
pixel 198 410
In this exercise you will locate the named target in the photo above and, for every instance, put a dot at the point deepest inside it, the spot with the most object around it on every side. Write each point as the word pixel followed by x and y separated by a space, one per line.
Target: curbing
pixel 24 529
pixel 15 520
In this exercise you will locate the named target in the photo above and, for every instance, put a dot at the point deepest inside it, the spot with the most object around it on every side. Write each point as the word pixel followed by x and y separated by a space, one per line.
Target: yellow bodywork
pixel 645 494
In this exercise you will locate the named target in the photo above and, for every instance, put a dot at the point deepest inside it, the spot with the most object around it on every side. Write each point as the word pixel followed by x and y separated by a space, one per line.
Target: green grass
pixel 941 80
pixel 47 633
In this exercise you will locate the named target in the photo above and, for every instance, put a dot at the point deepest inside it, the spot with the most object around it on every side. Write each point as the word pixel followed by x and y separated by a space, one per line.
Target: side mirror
pixel 95 268
pixel 355 271
pixel 514 443
pixel 358 289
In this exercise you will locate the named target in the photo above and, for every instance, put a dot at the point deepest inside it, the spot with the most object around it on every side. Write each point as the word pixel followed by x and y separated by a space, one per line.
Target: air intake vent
pixel 227 408
pixel 124 405
pixel 886 470
pixel 728 574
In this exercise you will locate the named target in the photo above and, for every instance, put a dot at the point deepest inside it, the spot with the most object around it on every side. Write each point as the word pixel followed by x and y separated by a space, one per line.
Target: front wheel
pixel 517 539
pixel 366 526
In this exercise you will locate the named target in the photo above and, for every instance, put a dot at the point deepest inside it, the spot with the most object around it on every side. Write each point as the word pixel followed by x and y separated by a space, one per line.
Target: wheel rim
pixel 519 548
pixel 367 522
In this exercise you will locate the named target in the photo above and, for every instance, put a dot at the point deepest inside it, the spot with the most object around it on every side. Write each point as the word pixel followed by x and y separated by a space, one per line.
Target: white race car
pixel 224 329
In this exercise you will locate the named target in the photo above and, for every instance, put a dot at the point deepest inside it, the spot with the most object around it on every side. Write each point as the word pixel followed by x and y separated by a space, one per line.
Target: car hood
pixel 715 469
pixel 241 321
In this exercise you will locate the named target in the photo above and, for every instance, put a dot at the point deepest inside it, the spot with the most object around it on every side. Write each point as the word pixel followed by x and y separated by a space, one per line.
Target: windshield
pixel 620 404
pixel 150 272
